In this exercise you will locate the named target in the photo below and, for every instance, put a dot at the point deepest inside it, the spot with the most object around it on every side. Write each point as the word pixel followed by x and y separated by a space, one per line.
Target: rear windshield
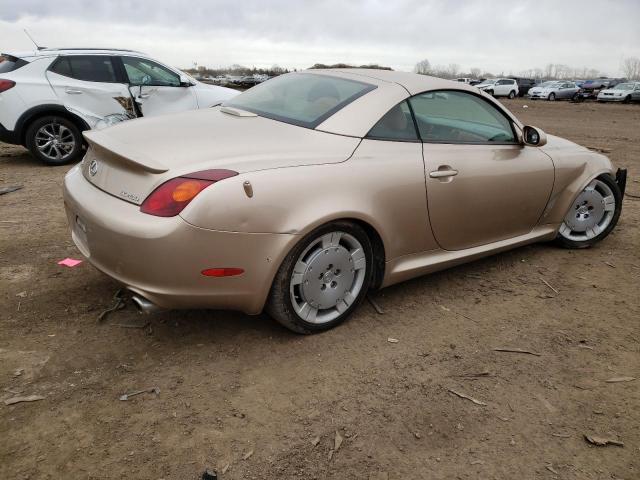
pixel 302 99
pixel 9 63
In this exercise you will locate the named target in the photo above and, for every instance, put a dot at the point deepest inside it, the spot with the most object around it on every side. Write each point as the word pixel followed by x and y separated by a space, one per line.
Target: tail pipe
pixel 143 305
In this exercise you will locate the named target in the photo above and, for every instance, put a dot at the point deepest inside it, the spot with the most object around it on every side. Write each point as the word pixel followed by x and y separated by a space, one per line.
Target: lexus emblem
pixel 93 168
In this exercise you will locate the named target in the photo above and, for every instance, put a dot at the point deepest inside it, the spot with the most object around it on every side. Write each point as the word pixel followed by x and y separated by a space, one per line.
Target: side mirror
pixel 533 136
pixel 185 81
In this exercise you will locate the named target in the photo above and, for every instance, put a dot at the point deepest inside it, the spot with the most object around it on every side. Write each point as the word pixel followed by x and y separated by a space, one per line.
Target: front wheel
pixel 552 97
pixel 627 99
pixel 54 140
pixel 592 215
pixel 323 279
pixel 512 94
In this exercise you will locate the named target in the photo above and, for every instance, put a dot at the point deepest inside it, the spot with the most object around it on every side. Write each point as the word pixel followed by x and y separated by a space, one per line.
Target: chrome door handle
pixel 73 91
pixel 443 173
pixel 143 95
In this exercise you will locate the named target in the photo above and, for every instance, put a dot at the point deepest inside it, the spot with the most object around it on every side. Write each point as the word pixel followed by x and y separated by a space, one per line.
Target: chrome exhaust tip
pixel 143 305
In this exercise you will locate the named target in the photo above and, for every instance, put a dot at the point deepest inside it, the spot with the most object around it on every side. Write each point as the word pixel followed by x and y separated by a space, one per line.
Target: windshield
pixel 488 82
pixel 548 84
pixel 302 99
pixel 624 86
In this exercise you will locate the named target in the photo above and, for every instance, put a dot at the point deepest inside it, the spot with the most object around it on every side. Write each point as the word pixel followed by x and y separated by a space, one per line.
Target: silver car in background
pixel 554 90
pixel 623 92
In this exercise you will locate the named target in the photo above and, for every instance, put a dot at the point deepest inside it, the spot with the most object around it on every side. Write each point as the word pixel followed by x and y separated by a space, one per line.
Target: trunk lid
pixel 131 159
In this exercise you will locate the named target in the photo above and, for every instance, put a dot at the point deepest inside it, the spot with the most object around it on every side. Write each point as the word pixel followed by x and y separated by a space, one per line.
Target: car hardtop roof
pixel 412 82
pixel 46 52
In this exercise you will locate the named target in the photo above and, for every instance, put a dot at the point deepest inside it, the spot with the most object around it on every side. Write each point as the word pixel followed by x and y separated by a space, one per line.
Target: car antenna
pixel 34 42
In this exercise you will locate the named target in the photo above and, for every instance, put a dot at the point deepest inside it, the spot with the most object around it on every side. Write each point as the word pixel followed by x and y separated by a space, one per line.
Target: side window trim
pixel 67 58
pixel 442 142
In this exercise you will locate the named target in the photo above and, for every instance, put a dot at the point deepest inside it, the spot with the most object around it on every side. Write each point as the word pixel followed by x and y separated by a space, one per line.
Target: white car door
pixel 157 89
pixel 88 86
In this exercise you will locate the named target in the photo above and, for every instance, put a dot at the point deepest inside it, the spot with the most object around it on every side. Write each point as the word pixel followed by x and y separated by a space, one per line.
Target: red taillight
pixel 170 198
pixel 6 85
pixel 222 272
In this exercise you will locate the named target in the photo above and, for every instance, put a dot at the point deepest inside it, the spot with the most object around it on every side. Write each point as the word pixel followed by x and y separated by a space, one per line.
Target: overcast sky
pixel 494 35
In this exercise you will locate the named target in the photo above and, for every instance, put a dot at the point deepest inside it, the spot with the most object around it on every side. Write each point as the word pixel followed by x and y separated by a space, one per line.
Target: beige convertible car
pixel 302 193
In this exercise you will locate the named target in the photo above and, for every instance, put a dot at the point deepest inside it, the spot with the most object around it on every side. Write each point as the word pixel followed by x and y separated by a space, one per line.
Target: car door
pixel 636 93
pixel 157 89
pixel 88 85
pixel 566 90
pixel 482 185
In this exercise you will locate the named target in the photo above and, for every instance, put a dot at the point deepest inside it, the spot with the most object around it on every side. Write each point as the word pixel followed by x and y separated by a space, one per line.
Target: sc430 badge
pixel 132 197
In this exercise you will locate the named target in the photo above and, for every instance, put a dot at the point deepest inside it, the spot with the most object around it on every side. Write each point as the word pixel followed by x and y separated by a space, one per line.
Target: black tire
pixel 490 92
pixel 512 94
pixel 573 244
pixel 576 97
pixel 279 305
pixel 627 99
pixel 551 97
pixel 30 140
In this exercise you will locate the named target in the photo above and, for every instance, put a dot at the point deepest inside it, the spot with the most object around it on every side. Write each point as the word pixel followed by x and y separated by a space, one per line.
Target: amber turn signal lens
pixel 186 190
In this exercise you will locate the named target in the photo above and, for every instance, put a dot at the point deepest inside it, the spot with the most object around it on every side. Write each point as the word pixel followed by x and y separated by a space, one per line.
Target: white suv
pixel 500 87
pixel 48 97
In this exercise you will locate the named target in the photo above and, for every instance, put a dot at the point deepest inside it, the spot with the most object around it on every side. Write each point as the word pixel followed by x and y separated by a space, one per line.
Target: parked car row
pixel 601 89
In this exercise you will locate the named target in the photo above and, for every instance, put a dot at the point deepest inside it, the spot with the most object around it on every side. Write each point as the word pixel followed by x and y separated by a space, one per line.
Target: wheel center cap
pixel 328 277
pixel 584 209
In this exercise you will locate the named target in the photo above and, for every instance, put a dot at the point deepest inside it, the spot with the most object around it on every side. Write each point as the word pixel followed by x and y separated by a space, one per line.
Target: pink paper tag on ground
pixel 70 262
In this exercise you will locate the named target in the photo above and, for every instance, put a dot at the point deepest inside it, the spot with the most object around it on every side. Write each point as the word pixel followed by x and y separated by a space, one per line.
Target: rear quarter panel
pixel 382 184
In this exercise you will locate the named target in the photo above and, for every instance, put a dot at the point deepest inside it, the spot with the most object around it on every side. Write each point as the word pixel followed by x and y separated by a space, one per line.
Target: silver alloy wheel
pixel 55 141
pixel 590 214
pixel 327 277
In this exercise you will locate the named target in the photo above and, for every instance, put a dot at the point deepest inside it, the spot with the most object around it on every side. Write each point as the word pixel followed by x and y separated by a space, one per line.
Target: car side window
pixel 89 68
pixel 396 125
pixel 450 116
pixel 142 71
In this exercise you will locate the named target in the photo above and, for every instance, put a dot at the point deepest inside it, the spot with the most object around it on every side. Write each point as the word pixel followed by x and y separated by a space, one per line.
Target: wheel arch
pixel 28 117
pixel 377 242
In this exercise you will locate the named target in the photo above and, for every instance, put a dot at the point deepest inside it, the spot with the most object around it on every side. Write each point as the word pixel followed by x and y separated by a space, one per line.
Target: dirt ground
pixel 243 395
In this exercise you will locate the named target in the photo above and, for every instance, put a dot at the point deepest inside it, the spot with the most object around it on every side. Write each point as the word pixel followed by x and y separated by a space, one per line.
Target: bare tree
pixel 453 70
pixel 423 67
pixel 475 72
pixel 631 68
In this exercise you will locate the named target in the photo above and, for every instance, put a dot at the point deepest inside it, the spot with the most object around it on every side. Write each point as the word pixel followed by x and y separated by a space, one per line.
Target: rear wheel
pixel 551 97
pixel 592 215
pixel 323 279
pixel 54 140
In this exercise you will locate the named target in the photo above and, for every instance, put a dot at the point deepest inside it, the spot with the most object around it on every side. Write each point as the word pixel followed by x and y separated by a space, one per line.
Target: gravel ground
pixel 243 395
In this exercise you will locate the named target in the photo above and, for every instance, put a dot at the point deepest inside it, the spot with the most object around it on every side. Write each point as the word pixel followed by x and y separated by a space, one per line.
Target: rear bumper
pixel 162 259
pixel 8 136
